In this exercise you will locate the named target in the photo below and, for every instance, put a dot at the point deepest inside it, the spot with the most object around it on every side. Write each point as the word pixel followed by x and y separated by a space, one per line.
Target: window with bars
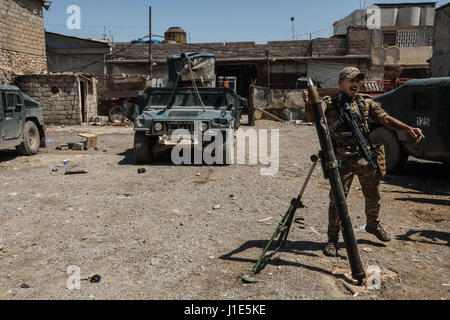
pixel 407 38
pixel 297 68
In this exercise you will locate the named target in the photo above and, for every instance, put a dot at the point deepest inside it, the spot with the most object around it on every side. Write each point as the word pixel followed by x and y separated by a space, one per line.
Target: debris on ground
pixel 265 219
pixel 141 170
pixel 75 172
pixel 300 221
pixel 302 123
pixel 217 207
pixel 63 146
pixel 90 139
pixel 314 230
pixel 95 278
pixel 24 286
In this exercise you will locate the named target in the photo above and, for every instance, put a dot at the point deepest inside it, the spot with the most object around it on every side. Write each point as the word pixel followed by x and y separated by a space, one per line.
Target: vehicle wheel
pixel 396 156
pixel 142 145
pixel 31 140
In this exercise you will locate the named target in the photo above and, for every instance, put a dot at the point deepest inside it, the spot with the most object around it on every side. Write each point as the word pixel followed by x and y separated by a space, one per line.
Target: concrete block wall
pixel 22 37
pixel 358 40
pixel 61 108
pixel 329 47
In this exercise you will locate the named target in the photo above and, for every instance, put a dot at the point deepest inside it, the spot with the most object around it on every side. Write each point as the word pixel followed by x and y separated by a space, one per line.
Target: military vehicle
pixel 192 103
pixel 21 121
pixel 422 103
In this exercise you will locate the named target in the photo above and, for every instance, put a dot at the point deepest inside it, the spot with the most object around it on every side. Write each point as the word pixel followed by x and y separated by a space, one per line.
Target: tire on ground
pixel 31 140
pixel 396 156
pixel 142 147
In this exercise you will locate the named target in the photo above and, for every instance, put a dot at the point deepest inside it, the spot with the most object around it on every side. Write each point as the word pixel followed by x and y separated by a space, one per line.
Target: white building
pixel 401 39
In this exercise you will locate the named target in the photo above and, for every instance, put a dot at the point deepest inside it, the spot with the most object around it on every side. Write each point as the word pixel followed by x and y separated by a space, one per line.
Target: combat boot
pixel 331 249
pixel 378 231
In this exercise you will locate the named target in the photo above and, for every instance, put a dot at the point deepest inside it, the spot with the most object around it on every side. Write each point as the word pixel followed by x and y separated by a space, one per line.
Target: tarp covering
pixel 201 64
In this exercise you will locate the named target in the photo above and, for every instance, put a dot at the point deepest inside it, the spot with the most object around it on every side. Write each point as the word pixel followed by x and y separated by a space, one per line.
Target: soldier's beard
pixel 350 91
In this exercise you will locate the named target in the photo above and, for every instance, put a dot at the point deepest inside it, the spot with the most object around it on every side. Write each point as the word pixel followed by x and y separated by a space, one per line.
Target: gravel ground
pixel 192 232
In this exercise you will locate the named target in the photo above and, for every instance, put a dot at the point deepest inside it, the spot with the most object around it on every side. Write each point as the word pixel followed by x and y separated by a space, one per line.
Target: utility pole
pixel 293 29
pixel 268 69
pixel 150 40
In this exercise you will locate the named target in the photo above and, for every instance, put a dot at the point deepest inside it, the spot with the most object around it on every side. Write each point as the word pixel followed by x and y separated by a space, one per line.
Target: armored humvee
pixel 21 121
pixel 192 104
pixel 422 103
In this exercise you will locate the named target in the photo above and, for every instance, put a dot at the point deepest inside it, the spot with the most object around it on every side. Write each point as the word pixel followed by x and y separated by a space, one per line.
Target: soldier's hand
pixel 306 96
pixel 416 133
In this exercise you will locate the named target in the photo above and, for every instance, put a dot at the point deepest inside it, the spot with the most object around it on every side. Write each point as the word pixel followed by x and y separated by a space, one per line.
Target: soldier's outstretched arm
pixel 397 125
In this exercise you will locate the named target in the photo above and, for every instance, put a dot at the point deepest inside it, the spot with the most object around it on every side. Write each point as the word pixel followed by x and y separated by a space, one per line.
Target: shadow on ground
pixel 426 178
pixel 162 159
pixel 306 248
pixel 7 155
pixel 428 234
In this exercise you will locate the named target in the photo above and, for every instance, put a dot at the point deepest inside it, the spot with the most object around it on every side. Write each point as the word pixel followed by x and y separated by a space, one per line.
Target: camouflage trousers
pixel 369 179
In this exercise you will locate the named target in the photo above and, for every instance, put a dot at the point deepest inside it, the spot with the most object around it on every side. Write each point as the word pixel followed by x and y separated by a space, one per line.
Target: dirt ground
pixel 192 232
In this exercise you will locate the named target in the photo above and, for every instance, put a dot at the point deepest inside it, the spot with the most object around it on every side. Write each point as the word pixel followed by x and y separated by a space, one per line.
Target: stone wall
pixel 22 38
pixel 440 62
pixel 58 94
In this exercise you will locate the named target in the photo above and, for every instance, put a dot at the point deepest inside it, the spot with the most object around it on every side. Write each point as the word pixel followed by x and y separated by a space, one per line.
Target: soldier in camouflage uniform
pixel 352 162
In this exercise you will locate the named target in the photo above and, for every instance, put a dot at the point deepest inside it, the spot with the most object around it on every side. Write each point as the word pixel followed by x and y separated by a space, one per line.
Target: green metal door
pixel 13 115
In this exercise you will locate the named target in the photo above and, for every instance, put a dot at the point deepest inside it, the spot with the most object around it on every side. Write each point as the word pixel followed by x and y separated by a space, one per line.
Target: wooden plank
pixel 269 114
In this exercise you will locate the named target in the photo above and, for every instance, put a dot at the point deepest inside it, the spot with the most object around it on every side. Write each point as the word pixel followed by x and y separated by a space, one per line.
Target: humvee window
pixel 18 100
pixel 10 101
pixel 190 99
pixel 159 99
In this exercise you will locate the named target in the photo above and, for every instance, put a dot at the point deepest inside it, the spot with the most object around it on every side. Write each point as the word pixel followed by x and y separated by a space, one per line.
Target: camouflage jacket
pixel 345 146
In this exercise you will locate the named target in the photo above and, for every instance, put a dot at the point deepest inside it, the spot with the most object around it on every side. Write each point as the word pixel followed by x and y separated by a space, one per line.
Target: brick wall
pixel 224 51
pixel 329 47
pixel 358 40
pixel 22 37
pixel 60 108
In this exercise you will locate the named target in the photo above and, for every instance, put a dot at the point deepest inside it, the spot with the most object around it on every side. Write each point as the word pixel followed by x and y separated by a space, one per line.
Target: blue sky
pixel 205 20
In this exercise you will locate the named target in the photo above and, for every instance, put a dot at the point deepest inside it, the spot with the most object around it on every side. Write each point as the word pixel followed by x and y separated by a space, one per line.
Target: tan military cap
pixel 352 73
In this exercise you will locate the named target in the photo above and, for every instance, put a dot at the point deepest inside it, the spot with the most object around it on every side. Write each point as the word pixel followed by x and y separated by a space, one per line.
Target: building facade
pixel 277 64
pixel 401 37
pixel 22 38
pixel 72 54
pixel 440 62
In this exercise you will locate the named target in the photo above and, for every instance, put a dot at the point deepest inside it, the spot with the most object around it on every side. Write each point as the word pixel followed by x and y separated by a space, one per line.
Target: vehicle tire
pixel 142 144
pixel 396 156
pixel 31 140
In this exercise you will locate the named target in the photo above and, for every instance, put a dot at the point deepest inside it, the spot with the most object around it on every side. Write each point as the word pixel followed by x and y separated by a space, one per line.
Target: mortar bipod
pixel 283 227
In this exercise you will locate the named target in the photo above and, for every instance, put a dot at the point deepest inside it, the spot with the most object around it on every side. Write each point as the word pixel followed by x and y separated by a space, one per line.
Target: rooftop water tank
pixel 175 34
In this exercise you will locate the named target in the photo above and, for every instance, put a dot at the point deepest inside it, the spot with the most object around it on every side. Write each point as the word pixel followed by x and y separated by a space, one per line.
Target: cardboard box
pixel 91 139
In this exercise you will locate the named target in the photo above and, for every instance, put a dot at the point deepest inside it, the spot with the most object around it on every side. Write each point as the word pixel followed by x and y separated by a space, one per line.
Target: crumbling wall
pixel 440 62
pixel 22 38
pixel 58 94
pixel 92 100
pixel 285 104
